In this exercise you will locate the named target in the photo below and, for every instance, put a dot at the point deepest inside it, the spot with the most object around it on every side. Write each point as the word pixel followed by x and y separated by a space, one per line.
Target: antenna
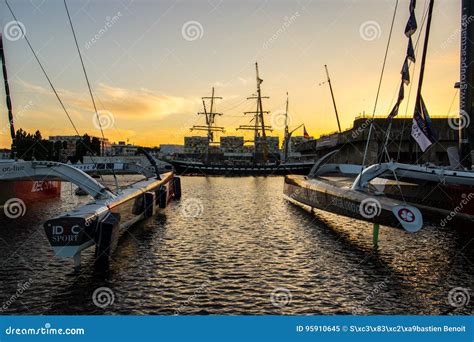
pixel 332 96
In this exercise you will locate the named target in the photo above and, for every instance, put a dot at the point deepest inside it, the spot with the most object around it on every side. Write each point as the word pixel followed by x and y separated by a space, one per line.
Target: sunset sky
pixel 149 62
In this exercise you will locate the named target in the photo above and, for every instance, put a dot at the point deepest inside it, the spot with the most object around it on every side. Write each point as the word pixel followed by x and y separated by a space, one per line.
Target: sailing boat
pixel 260 162
pixel 102 221
pixel 26 190
pixel 395 194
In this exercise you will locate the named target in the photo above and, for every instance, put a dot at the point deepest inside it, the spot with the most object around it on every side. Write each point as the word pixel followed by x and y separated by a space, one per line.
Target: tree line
pixel 29 146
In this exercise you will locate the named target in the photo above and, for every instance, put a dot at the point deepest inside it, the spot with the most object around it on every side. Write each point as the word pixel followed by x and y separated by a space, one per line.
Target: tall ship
pixel 234 155
pixel 24 190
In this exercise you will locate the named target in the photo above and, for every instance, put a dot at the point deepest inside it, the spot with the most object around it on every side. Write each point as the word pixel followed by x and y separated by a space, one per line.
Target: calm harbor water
pixel 235 246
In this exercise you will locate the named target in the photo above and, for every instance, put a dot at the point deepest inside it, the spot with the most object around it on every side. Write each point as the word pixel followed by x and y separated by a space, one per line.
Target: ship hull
pixel 185 168
pixel 329 195
pixel 73 232
pixel 29 191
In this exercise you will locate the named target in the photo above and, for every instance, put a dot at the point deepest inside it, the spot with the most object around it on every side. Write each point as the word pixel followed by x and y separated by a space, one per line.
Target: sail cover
pixel 421 129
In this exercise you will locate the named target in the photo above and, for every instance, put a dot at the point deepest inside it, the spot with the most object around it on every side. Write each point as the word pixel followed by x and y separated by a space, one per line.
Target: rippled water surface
pixel 235 246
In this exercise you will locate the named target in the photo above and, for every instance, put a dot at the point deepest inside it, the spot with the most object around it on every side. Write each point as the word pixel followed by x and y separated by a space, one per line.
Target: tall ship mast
pixel 210 116
pixel 259 128
pixel 230 156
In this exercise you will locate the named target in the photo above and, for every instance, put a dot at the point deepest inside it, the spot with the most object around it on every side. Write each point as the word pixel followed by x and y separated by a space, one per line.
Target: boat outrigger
pixel 100 222
pixel 401 195
pixel 106 217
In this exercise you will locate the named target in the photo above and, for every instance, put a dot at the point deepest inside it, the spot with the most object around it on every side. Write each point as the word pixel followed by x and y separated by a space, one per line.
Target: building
pixel 195 145
pixel 297 140
pixel 351 143
pixel 232 144
pixel 123 149
pixel 170 149
pixel 70 142
pixel 272 142
pixel 5 153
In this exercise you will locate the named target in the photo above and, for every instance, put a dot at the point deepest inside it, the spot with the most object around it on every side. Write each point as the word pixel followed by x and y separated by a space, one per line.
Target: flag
pixel 259 80
pixel 401 96
pixel 410 50
pixel 305 133
pixel 421 128
pixel 406 72
pixel 411 26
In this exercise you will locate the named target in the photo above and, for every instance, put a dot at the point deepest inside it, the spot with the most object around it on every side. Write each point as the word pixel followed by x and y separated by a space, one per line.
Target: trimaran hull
pixel 103 221
pixel 28 191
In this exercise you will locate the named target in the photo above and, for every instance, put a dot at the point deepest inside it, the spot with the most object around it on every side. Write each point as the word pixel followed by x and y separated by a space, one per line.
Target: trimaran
pixel 395 194
pixel 100 222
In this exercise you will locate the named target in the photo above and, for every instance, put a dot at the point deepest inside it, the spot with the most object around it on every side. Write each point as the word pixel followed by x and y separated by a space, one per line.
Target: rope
pixel 379 86
pixel 43 70
pixel 89 87
pixel 50 82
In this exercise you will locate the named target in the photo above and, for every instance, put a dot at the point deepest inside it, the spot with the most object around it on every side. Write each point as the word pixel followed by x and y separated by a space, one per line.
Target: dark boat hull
pixel 183 168
pixel 73 232
pixel 28 191
pixel 321 194
pixel 324 196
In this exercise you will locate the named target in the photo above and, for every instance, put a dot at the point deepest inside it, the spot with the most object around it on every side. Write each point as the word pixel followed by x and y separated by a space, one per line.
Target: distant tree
pixel 32 146
pixel 87 147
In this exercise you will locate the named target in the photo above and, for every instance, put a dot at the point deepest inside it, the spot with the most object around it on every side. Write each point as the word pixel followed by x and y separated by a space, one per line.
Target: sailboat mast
pixel 260 116
pixel 210 116
pixel 466 92
pixel 333 99
pixel 7 93
pixel 287 136
pixel 425 51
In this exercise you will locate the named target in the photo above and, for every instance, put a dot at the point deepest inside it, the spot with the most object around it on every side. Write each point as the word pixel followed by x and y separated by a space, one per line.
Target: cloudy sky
pixel 149 62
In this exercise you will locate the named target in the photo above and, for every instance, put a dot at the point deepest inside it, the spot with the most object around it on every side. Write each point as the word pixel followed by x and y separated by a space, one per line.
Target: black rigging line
pixel 43 70
pixel 89 86
pixel 379 86
pixel 51 83
pixel 84 70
